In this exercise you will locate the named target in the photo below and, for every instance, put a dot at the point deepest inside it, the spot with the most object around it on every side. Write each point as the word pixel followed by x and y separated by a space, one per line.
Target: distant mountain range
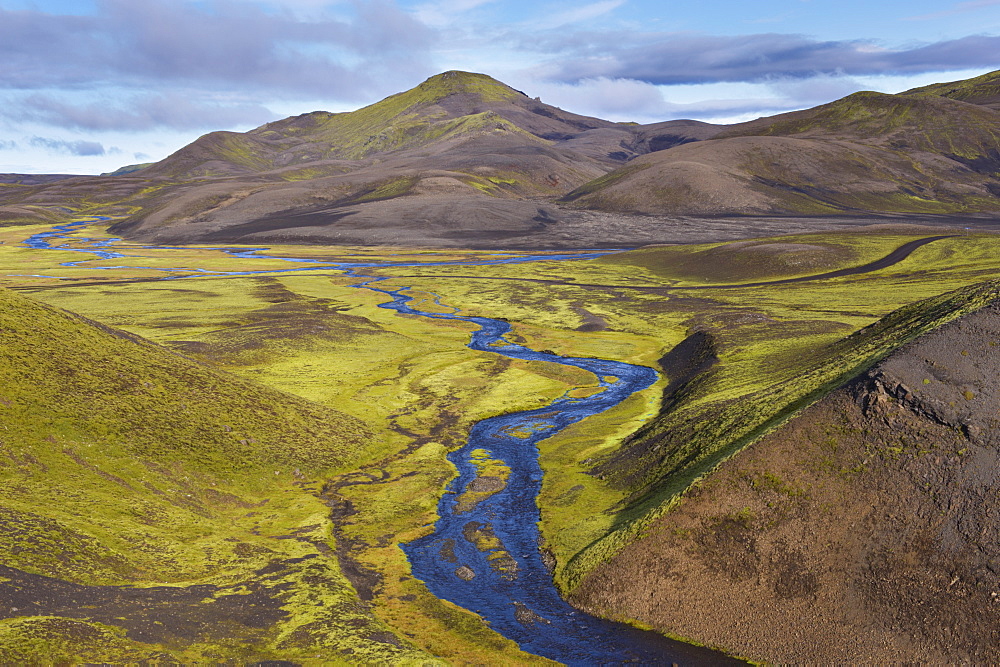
pixel 463 159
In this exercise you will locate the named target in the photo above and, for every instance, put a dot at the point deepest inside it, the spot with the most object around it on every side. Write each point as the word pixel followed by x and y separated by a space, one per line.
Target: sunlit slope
pixel 124 464
pixel 65 376
pixel 866 153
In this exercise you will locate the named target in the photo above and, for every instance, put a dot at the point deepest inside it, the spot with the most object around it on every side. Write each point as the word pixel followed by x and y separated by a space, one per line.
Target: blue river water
pixel 486 557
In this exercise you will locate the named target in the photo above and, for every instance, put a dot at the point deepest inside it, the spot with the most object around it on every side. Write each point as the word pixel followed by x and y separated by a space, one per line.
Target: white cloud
pixel 576 15
pixel 445 12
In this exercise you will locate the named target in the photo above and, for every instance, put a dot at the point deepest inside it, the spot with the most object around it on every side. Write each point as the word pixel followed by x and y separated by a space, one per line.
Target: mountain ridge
pixel 464 159
pixel 867 153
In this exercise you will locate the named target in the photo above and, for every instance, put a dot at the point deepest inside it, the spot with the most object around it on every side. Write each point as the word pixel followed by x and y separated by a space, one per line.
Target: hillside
pixel 865 528
pixel 461 159
pixel 152 508
pixel 461 156
pixel 915 153
pixel 984 90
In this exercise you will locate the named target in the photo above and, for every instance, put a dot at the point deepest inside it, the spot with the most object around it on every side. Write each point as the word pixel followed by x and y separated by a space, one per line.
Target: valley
pixel 302 328
pixel 461 377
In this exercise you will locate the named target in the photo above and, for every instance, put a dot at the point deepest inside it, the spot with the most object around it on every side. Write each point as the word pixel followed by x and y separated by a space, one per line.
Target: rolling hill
pixel 929 151
pixel 152 508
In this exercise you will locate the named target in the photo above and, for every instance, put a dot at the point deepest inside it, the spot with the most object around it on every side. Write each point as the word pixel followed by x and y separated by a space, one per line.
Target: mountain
pixel 154 509
pixel 462 159
pixel 465 160
pixel 930 151
pixel 865 528
pixel 461 156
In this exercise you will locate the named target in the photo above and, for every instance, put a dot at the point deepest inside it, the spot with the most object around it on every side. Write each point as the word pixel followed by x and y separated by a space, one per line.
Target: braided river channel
pixel 482 556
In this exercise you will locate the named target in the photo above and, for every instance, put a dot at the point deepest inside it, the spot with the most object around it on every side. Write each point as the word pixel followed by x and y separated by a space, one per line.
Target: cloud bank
pixel 81 148
pixel 679 59
pixel 184 65
pixel 174 110
pixel 227 44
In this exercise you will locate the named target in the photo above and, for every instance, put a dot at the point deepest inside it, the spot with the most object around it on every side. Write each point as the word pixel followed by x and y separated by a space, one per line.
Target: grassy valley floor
pixel 413 390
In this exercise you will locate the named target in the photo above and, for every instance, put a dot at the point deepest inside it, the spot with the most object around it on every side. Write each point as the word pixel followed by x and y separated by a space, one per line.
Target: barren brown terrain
pixel 864 530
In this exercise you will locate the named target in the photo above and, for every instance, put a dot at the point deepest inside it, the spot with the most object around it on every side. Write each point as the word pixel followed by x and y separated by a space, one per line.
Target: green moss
pixel 396 187
pixel 52 640
pixel 768 481
pixel 310 173
pixel 418 389
pixel 491 478
pixel 411 118
pixel 985 87
pixel 244 151
pixel 123 463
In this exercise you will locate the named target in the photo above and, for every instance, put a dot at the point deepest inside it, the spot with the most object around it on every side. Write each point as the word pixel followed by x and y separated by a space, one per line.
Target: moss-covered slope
pixel 984 89
pixel 152 508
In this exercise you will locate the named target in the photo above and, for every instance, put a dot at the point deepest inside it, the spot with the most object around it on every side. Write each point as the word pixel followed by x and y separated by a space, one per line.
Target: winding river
pixel 484 553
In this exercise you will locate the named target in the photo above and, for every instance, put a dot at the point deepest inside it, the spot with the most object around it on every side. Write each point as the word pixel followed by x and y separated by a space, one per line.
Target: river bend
pixel 484 555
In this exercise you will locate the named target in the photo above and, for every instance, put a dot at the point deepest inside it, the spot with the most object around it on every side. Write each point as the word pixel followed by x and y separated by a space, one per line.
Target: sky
pixel 87 86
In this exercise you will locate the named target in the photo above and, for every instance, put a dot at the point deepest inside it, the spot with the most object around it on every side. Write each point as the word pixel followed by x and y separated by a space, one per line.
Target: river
pixel 484 552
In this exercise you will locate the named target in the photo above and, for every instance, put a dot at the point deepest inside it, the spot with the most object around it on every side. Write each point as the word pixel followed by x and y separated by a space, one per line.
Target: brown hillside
pixel 866 528
pixel 463 159
pixel 866 153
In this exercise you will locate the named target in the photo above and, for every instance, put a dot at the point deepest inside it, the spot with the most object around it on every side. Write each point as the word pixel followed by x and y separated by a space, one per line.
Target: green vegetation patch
pixel 491 478
pixel 122 463
pixel 388 190
pixel 196 516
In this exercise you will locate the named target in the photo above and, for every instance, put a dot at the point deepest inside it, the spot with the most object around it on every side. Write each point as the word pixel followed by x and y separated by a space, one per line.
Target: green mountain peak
pixel 454 82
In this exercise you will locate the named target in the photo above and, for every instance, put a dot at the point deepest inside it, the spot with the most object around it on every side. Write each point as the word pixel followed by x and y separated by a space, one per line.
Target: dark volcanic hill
pixel 463 159
pixel 866 528
pixel 933 150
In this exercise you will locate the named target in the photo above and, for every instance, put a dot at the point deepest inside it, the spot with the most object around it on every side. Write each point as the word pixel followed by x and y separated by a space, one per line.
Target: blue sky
pixel 90 85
